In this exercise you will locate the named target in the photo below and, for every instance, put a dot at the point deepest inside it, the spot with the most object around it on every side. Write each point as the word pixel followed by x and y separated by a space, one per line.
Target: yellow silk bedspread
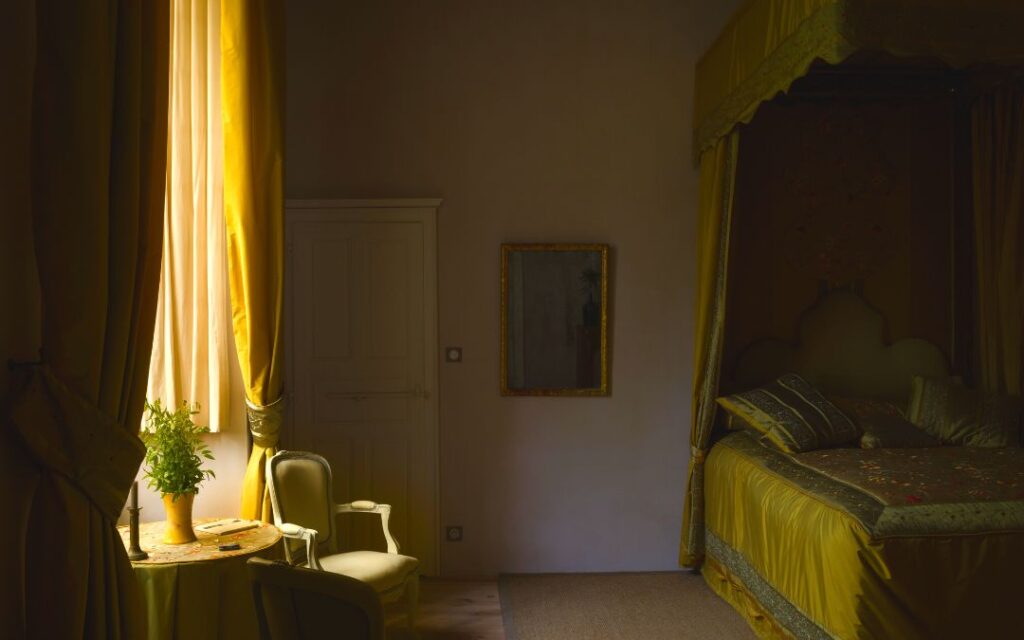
pixel 795 563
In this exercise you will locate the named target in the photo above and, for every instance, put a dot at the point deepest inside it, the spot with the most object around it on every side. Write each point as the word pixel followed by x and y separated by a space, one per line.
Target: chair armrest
pixel 368 506
pixel 295 532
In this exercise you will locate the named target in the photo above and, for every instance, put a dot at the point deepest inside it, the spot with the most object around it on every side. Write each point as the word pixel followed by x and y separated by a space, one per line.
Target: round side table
pixel 194 590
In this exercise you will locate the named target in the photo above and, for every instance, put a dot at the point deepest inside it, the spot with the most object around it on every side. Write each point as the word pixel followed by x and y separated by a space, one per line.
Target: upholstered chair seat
pixel 382 571
pixel 301 494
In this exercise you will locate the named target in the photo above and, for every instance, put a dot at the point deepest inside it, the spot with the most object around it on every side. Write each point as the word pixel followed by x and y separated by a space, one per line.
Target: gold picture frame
pixel 554 319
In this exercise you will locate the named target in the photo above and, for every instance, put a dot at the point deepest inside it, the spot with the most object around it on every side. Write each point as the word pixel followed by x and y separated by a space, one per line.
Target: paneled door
pixel 362 326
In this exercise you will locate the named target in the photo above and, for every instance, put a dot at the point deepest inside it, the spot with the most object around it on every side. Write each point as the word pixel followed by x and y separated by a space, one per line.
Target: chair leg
pixel 412 594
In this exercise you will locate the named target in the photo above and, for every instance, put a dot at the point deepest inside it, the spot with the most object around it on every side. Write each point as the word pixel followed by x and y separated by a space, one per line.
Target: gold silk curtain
pixel 768 44
pixel 191 346
pixel 252 94
pixel 714 220
pixel 997 123
pixel 99 129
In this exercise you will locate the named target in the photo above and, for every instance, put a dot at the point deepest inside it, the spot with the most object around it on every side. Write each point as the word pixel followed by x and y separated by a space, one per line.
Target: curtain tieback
pixel 265 421
pixel 72 437
pixel 697 455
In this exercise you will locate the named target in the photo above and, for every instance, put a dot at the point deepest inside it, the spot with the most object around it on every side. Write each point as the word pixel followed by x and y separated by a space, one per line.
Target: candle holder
pixel 135 552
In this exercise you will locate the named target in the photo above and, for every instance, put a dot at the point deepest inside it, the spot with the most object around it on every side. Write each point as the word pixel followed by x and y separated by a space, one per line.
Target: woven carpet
pixel 626 606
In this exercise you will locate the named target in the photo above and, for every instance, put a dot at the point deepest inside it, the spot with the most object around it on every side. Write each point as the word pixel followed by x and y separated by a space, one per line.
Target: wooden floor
pixel 453 610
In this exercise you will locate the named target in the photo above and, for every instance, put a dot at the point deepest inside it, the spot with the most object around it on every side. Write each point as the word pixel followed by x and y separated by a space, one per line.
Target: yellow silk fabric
pixel 770 43
pixel 252 98
pixel 69 449
pixel 997 120
pixel 714 219
pixel 198 600
pixel 825 563
pixel 731 589
pixel 191 344
pixel 255 495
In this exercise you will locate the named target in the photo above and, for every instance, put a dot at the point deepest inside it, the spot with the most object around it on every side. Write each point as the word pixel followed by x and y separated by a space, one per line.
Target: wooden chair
pixel 298 603
pixel 304 510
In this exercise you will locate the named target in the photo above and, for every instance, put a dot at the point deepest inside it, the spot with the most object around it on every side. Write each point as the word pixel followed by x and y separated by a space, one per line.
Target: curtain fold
pixel 252 97
pixel 997 127
pixel 98 163
pixel 191 344
pixel 714 221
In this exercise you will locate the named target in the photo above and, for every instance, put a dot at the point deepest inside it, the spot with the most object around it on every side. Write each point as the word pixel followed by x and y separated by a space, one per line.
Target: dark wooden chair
pixel 299 603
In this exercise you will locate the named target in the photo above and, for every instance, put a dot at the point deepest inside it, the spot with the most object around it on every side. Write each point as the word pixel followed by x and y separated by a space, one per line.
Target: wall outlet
pixel 453 534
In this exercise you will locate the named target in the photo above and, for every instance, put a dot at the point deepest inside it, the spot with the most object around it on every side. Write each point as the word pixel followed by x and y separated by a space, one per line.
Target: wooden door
pixel 363 347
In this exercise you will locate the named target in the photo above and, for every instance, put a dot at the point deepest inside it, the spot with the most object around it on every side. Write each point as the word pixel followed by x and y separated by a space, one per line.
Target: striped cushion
pixel 792 415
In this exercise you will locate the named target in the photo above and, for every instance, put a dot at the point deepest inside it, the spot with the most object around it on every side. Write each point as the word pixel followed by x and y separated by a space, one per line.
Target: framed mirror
pixel 554 319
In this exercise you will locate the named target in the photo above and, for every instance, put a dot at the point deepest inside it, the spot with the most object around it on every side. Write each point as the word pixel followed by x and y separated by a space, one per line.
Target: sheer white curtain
pixel 192 343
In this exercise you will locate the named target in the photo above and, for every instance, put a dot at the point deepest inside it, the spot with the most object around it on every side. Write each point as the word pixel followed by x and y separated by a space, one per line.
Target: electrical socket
pixel 453 354
pixel 453 533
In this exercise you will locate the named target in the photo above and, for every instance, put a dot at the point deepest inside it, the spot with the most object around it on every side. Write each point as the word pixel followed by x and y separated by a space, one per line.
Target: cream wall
pixel 19 286
pixel 535 121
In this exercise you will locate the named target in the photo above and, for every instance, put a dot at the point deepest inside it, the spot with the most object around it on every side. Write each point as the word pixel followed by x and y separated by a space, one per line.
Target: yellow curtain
pixel 191 344
pixel 768 44
pixel 252 95
pixel 997 120
pixel 714 220
pixel 99 127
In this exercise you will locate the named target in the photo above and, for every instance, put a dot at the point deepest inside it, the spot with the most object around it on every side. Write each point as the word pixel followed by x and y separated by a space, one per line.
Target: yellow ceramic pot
pixel 179 518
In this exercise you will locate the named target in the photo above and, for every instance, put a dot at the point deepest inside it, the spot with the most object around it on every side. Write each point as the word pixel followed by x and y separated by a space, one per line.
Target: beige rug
pixel 626 606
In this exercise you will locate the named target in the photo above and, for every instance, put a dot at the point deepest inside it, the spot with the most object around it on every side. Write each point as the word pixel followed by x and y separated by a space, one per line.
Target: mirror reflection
pixel 554 319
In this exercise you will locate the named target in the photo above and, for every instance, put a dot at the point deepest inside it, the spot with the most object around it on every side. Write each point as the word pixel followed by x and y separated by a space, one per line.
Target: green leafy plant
pixel 175 449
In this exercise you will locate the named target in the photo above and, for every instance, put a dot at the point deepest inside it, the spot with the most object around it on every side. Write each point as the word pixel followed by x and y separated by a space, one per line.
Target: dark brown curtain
pixel 69 439
pixel 997 127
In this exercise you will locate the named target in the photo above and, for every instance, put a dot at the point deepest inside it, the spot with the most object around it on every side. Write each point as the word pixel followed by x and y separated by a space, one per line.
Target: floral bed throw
pixel 940 489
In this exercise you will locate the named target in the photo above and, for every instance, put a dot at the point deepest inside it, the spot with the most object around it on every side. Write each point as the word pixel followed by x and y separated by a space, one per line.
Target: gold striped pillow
pixel 793 415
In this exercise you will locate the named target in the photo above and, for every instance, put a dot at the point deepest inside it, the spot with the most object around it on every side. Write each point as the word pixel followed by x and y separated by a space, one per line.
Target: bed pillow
pixel 960 416
pixel 883 424
pixel 890 432
pixel 792 415
pixel 857 408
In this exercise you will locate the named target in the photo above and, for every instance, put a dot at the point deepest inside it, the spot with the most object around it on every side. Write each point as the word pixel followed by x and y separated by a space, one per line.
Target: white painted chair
pixel 304 510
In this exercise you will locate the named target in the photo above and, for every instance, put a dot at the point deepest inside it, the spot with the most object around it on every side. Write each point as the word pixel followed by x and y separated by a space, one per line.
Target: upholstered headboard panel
pixel 841 349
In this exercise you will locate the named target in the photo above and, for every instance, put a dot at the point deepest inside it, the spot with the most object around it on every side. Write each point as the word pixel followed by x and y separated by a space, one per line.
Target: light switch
pixel 453 354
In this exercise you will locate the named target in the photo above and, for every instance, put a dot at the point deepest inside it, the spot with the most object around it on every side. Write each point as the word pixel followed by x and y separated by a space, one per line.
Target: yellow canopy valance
pixel 769 44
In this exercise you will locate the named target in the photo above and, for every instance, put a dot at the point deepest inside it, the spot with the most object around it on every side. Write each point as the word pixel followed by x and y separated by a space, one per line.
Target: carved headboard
pixel 841 350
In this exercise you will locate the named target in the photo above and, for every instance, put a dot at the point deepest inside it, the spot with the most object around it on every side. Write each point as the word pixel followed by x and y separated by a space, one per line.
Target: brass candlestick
pixel 135 552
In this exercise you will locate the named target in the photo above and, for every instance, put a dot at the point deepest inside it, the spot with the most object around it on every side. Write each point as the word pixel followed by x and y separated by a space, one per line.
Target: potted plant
pixel 174 464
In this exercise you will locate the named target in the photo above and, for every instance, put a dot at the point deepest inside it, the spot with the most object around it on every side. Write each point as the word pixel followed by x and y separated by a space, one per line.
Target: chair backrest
pixel 300 493
pixel 298 603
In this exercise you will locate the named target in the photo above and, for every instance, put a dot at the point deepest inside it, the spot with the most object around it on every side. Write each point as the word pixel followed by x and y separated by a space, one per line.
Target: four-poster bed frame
pixel 766 47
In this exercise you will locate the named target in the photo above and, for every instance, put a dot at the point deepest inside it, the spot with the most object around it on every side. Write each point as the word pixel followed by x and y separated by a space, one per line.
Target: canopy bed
pixel 861 169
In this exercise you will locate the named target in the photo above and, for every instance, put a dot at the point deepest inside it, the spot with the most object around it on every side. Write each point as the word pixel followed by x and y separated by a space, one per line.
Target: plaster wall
pixel 535 121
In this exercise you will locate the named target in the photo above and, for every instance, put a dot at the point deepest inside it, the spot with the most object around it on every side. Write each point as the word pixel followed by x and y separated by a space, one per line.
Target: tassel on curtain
pixel 70 444
pixel 252 99
pixel 714 214
pixel 997 127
